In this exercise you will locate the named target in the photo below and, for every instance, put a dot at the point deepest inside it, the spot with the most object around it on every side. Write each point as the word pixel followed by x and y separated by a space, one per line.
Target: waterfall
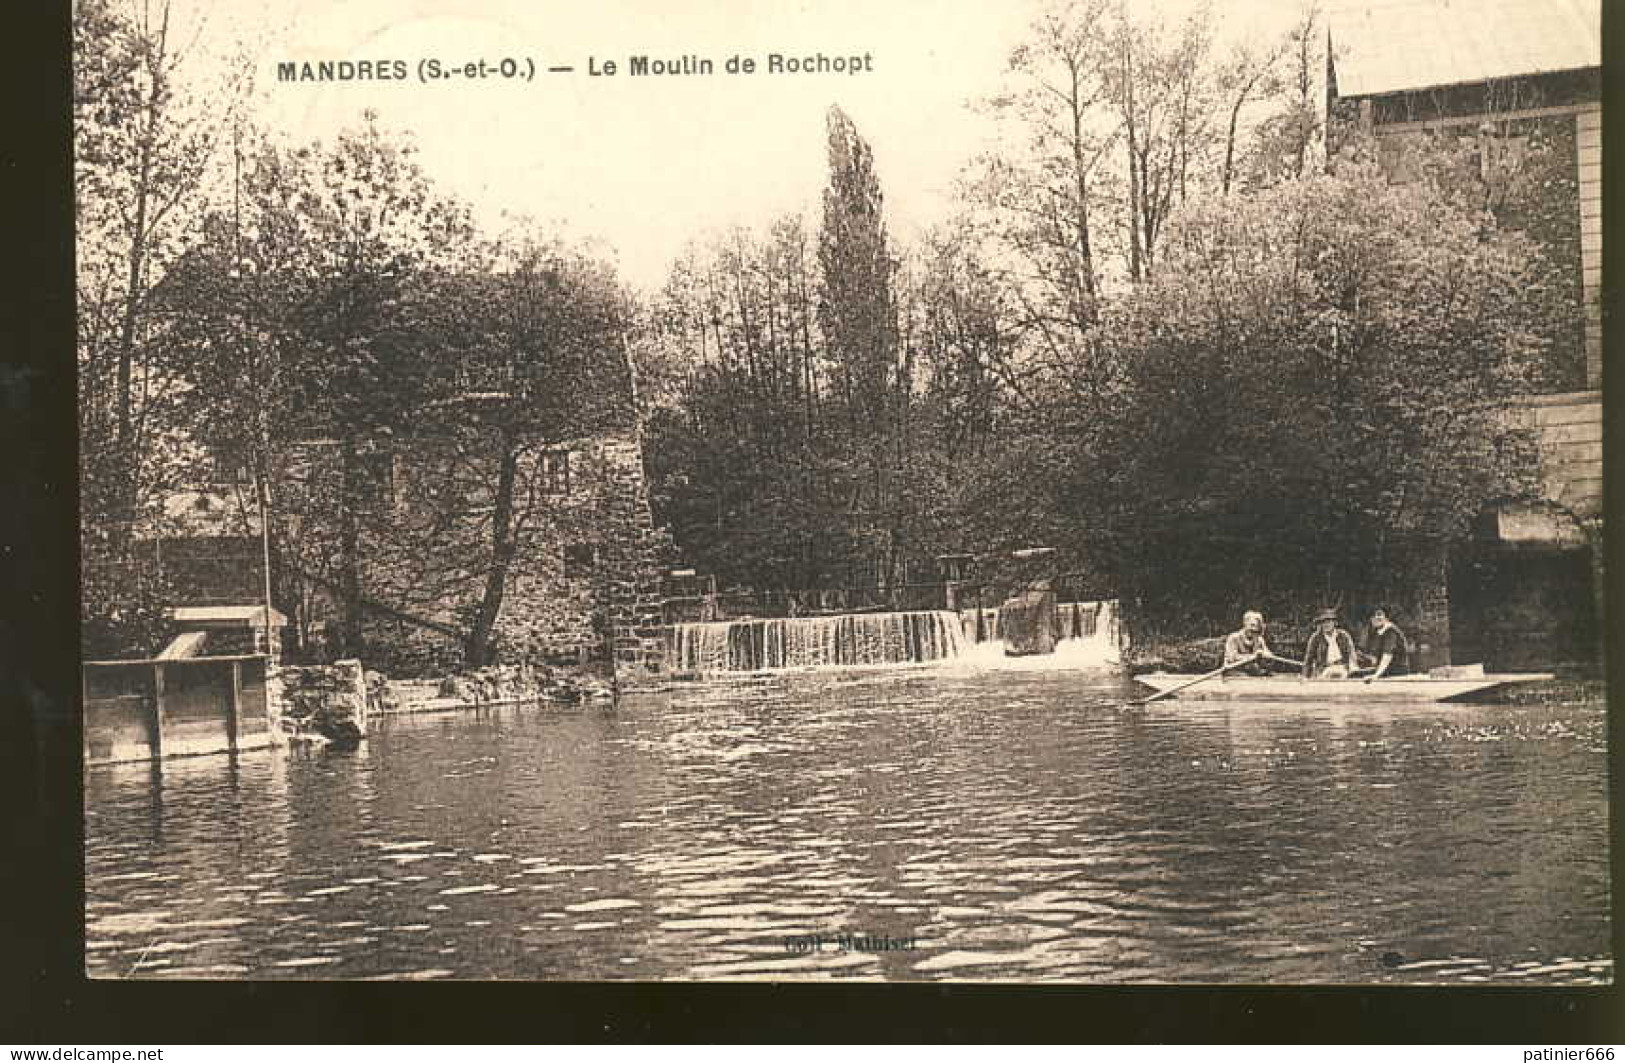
pixel 815 642
pixel 1088 636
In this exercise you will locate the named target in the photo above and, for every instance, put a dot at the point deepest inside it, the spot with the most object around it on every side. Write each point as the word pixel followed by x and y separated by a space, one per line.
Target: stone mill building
pixel 1519 84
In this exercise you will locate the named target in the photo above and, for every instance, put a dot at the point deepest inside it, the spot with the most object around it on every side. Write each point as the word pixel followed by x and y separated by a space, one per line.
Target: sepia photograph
pixel 1099 492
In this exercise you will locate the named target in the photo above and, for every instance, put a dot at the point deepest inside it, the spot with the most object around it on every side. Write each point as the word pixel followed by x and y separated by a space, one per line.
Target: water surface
pixel 1008 826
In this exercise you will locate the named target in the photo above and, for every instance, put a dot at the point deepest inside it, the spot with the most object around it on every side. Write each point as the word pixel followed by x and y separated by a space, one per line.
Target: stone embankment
pixel 332 704
pixel 323 704
pixel 497 685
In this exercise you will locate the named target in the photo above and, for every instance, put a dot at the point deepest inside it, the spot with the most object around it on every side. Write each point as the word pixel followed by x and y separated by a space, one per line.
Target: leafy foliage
pixel 1174 348
pixel 1307 390
pixel 143 147
pixel 1314 381
pixel 346 310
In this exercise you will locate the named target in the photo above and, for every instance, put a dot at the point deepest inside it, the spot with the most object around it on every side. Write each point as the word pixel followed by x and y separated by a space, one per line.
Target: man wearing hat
pixel 1330 653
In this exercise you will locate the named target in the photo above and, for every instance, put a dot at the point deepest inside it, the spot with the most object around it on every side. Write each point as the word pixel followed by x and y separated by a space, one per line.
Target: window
pixel 554 470
pixel 580 559
pixel 229 466
pixel 1396 155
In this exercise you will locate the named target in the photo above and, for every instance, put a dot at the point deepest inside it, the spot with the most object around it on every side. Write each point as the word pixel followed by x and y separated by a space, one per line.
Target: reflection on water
pixel 1017 826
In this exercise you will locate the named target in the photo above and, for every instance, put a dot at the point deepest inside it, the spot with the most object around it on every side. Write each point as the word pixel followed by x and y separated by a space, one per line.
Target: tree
pixel 143 143
pixel 146 132
pixel 1158 85
pixel 855 311
pixel 1038 197
pixel 1249 76
pixel 967 438
pixel 858 319
pixel 534 349
pixel 747 454
pixel 1286 140
pixel 1315 380
pixel 963 344
pixel 299 311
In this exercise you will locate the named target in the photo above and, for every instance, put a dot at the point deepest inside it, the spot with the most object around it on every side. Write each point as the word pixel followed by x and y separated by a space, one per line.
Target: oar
pixel 1190 683
pixel 1285 660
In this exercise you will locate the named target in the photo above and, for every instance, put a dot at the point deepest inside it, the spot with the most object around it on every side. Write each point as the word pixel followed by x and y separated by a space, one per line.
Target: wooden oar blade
pixel 1207 675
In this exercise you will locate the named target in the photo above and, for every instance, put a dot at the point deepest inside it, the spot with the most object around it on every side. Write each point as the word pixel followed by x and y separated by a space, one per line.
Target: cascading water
pixel 1088 636
pixel 815 642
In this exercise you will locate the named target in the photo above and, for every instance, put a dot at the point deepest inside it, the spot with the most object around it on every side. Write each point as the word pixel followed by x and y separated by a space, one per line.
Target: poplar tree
pixel 858 318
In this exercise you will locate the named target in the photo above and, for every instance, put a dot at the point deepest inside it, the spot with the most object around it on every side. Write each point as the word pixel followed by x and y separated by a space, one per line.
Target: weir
pixel 1087 636
pixel 1092 621
pixel 815 642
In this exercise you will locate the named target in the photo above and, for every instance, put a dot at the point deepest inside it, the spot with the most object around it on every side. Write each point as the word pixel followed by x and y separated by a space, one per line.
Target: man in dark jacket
pixel 1330 652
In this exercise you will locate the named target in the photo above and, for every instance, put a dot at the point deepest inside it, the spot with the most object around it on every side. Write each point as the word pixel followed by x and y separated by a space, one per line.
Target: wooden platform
pixel 150 709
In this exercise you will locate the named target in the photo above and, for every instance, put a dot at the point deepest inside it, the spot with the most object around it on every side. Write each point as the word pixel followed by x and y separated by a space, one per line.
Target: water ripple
pixel 1007 828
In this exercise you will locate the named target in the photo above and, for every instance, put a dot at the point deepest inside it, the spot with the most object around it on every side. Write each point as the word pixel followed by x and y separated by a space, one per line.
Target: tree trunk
pixel 1086 265
pixel 1230 145
pixel 478 650
pixel 1136 175
pixel 350 546
pixel 128 465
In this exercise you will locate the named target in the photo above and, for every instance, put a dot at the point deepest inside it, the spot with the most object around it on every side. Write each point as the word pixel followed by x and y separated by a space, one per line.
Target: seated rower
pixel 1387 646
pixel 1247 644
pixel 1330 652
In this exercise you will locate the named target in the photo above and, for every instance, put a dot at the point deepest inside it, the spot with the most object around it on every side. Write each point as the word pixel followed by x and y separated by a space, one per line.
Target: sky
pixel 638 166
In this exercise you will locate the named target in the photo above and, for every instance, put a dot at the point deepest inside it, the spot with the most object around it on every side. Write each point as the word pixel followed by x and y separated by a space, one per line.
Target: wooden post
pixel 157 731
pixel 234 711
pixel 84 709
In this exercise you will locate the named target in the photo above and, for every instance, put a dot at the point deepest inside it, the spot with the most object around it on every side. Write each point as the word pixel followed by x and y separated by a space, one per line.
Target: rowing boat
pixel 1409 688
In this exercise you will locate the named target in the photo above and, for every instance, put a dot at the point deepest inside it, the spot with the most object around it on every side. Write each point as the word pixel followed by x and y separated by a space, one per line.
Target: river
pixel 901 825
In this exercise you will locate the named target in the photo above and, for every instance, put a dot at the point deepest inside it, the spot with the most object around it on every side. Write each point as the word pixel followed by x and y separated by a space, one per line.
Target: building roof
pixel 1384 46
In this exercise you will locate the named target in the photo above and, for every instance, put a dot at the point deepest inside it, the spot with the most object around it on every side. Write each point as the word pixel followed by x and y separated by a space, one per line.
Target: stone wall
pixel 323 702
pixel 1524 608
pixel 583 586
pixel 592 592
pixel 1569 432
pixel 505 683
pixel 1524 582
pixel 630 573
pixel 1429 631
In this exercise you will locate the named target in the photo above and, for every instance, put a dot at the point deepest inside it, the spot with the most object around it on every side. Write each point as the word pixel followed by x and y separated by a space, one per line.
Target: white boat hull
pixel 1410 688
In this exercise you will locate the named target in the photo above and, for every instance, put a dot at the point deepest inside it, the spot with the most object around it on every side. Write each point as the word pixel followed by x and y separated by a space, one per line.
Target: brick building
pixel 1510 78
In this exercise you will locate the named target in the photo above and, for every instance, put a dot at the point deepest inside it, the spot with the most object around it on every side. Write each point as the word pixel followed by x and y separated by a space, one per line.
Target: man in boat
pixel 1387 646
pixel 1247 644
pixel 1330 652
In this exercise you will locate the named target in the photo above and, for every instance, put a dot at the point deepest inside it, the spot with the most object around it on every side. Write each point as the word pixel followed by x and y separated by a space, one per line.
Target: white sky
pixel 642 165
